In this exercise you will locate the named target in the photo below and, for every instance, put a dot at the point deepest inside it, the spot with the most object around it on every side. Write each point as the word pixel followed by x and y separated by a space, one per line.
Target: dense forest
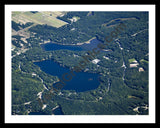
pixel 123 88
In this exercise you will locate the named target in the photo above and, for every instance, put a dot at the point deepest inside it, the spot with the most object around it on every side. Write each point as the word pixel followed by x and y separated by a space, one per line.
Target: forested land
pixel 122 87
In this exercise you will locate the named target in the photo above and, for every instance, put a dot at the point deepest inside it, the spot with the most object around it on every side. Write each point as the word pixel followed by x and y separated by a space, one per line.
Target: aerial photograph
pixel 80 63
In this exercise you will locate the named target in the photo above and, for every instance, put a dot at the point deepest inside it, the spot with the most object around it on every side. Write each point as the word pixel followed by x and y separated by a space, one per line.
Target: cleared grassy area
pixel 133 97
pixel 131 60
pixel 48 18
pixel 142 60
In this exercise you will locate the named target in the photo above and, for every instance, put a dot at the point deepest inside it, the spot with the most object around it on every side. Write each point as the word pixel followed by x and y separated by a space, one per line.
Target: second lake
pixel 82 81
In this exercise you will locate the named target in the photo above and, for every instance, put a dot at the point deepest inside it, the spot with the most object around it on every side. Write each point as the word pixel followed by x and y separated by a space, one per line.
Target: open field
pixel 133 97
pixel 41 17
pixel 142 60
pixel 132 60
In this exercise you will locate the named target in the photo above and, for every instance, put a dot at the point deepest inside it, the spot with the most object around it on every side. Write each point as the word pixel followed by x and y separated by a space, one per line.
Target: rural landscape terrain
pixel 48 44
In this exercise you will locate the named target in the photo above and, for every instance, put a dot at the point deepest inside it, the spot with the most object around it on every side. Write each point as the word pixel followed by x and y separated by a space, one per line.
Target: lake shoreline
pixel 86 42
pixel 85 46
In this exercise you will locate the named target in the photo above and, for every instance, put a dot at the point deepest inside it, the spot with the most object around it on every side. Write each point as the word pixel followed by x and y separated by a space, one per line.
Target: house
pixel 141 69
pixel 95 61
pixel 133 65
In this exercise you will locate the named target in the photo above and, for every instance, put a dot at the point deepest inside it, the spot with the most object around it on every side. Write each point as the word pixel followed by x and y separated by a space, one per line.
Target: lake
pixel 82 81
pixel 52 46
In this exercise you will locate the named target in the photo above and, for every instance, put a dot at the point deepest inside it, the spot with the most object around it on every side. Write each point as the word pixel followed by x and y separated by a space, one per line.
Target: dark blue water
pixel 82 81
pixel 52 46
